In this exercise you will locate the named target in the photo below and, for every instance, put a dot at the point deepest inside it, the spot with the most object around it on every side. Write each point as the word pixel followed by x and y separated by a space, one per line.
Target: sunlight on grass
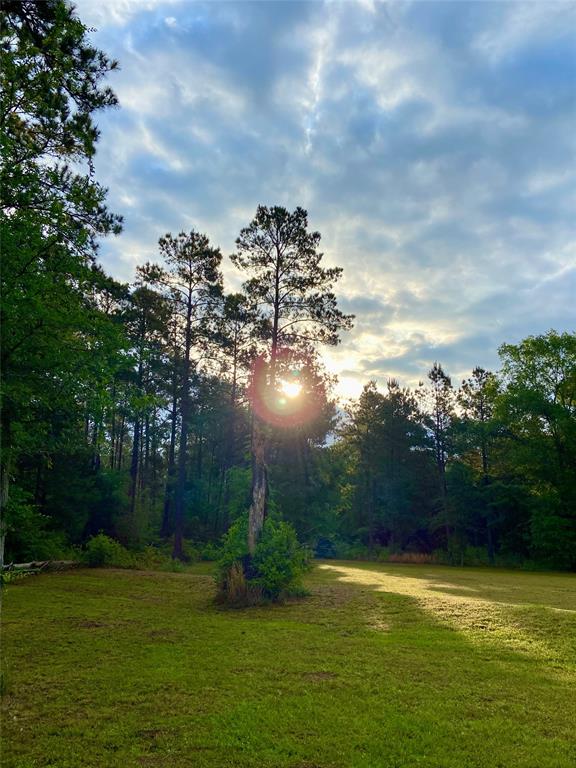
pixel 521 611
pixel 378 668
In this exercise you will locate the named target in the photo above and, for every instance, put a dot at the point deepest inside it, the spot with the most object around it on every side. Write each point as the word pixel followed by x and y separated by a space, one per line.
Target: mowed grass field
pixel 382 666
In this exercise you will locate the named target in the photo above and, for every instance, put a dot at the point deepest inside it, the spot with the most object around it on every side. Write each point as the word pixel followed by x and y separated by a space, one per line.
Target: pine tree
pixel 192 281
pixel 294 294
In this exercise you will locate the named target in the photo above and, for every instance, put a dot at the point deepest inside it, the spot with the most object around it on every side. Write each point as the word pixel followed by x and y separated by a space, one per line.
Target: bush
pixel 172 566
pixel 29 535
pixel 210 551
pixel 101 551
pixel 149 559
pixel 279 560
pixel 275 570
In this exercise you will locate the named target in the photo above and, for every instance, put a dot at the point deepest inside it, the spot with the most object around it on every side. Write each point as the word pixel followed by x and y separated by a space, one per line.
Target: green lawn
pixel 384 665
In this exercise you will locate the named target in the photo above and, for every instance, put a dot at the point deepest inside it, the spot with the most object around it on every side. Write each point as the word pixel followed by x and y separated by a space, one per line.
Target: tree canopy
pixel 164 412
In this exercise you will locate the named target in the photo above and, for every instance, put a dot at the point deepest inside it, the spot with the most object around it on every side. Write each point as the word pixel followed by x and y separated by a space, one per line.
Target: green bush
pixel 275 570
pixel 150 558
pixel 279 560
pixel 234 547
pixel 172 566
pixel 210 552
pixel 29 535
pixel 101 551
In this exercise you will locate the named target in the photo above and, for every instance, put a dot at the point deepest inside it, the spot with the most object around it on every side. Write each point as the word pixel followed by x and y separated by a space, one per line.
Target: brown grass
pixel 418 558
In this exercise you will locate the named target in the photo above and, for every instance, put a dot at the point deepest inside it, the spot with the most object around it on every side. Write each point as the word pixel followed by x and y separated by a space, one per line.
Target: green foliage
pixel 29 534
pixel 210 552
pixel 279 560
pixel 9 577
pixel 59 347
pixel 150 558
pixel 234 547
pixel 287 280
pixel 103 551
pixel 239 483
pixel 553 536
pixel 274 571
pixel 388 484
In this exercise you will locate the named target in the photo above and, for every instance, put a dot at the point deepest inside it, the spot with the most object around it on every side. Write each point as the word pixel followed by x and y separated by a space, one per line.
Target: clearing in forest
pixel 382 666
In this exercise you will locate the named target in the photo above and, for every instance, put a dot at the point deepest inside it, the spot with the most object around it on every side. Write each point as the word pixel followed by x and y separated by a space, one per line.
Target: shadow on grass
pixel 544 632
pixel 128 669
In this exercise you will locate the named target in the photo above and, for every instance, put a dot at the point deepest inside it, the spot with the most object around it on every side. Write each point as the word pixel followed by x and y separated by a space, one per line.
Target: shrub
pixel 273 572
pixel 101 550
pixel 172 566
pixel 29 535
pixel 236 585
pixel 279 560
pixel 150 558
pixel 210 551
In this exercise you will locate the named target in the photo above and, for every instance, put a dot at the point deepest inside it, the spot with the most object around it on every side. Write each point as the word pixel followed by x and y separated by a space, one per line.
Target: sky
pixel 432 144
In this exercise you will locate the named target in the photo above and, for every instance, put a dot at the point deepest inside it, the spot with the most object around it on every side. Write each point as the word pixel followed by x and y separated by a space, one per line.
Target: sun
pixel 290 388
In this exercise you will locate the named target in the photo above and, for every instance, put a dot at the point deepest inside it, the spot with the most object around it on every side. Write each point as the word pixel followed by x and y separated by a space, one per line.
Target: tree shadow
pixel 542 632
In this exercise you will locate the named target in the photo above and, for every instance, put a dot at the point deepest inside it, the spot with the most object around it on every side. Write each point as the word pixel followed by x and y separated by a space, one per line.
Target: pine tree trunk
pixel 121 442
pixel 178 549
pixel 113 427
pixel 134 465
pixel 166 528
pixel 153 463
pixel 146 473
pixel 258 508
pixel 4 491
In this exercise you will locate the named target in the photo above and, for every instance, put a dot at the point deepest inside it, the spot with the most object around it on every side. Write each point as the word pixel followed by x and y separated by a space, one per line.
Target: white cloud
pixel 445 194
pixel 118 13
pixel 523 23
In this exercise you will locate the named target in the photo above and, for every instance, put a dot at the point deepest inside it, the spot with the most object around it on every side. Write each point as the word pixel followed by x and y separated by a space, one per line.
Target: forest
pixel 209 558
pixel 149 412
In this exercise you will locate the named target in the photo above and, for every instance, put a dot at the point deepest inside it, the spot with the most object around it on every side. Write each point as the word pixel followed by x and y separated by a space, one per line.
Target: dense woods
pixel 161 412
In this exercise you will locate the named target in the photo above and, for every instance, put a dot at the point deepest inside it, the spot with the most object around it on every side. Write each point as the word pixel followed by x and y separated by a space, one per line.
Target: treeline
pixel 160 412
pixel 484 473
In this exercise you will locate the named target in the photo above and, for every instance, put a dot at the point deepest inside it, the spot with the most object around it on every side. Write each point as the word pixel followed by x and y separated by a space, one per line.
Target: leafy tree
pixel 364 433
pixel 55 339
pixel 389 467
pixel 241 328
pixel 538 406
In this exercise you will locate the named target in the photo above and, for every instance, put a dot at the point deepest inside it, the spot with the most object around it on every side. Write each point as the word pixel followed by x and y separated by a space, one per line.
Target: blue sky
pixel 433 145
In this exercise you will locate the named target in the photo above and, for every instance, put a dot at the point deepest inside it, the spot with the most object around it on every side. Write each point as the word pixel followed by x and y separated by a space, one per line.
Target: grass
pixel 384 665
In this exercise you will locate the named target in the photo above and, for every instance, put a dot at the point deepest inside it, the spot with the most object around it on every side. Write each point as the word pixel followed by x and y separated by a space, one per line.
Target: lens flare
pixel 290 388
pixel 287 403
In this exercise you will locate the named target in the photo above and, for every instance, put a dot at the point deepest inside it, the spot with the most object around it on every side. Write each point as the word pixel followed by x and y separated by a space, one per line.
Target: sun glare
pixel 290 388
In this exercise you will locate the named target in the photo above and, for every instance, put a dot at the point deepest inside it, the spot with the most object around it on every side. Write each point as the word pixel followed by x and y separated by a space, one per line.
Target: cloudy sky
pixel 433 145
